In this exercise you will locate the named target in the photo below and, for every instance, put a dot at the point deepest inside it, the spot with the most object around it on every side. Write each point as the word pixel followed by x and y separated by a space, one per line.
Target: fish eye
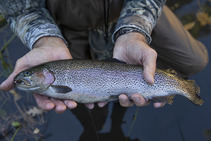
pixel 27 73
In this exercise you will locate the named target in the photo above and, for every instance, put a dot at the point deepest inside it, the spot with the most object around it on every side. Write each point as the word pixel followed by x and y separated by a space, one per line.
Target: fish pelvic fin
pixel 193 92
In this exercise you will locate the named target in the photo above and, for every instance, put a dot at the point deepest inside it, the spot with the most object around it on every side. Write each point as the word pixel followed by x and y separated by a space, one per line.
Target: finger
pixel 139 100
pixel 8 84
pixel 124 101
pixel 102 104
pixel 90 105
pixel 158 105
pixel 70 104
pixel 149 63
pixel 43 102
pixel 60 107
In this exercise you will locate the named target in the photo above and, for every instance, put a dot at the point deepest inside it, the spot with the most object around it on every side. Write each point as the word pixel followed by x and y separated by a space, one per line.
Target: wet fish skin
pixel 87 81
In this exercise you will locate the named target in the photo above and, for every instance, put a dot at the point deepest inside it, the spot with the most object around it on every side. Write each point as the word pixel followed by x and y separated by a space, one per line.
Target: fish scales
pixel 104 78
pixel 98 79
pixel 88 81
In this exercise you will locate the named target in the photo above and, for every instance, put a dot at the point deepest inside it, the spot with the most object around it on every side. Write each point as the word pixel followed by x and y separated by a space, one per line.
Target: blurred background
pixel 22 120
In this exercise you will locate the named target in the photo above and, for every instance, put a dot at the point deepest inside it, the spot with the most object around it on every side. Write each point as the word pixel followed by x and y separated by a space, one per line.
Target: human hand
pixel 132 49
pixel 45 49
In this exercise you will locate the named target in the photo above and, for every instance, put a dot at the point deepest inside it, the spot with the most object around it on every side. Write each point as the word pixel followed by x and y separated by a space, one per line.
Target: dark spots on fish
pixel 171 71
pixel 61 89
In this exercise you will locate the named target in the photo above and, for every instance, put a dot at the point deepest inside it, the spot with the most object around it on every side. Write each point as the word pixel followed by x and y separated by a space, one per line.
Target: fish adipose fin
pixel 171 71
pixel 166 99
pixel 61 89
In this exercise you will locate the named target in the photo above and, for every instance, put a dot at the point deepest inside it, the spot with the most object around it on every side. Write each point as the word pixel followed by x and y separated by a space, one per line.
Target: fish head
pixel 35 80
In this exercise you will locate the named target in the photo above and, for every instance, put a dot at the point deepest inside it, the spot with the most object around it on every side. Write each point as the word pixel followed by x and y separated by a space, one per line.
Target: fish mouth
pixel 22 82
pixel 25 85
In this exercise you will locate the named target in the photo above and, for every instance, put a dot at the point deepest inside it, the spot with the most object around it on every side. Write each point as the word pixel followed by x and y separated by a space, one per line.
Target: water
pixel 181 121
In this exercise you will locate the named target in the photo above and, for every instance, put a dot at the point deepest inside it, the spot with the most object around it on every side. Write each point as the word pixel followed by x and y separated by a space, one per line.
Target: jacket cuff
pixel 42 30
pixel 138 23
pixel 128 29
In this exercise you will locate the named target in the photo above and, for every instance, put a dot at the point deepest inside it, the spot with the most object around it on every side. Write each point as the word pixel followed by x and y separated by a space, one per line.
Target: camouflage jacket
pixel 30 19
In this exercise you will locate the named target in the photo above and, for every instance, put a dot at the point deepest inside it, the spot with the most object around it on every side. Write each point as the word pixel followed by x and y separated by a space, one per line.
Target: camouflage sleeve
pixel 140 15
pixel 29 19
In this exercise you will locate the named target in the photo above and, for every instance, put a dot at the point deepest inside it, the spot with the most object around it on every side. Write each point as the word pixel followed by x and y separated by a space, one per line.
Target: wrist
pixel 49 41
pixel 54 48
pixel 127 30
pixel 132 36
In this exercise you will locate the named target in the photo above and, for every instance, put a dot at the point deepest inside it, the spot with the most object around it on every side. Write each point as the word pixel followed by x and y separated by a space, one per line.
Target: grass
pixel 14 118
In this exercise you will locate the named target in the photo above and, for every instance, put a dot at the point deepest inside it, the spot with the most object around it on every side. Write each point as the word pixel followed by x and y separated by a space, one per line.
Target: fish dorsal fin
pixel 115 60
pixel 61 89
pixel 171 71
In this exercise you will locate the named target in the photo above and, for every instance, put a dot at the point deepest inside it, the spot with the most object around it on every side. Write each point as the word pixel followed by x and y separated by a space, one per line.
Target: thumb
pixel 8 84
pixel 149 63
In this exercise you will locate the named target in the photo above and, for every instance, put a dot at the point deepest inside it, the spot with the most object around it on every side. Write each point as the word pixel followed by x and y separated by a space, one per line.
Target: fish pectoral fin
pixel 166 99
pixel 61 89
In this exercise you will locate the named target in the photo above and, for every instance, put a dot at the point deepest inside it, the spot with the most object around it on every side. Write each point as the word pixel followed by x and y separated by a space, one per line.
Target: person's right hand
pixel 132 49
pixel 45 49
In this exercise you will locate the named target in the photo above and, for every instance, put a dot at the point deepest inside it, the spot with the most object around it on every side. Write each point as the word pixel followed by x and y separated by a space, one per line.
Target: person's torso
pixel 80 15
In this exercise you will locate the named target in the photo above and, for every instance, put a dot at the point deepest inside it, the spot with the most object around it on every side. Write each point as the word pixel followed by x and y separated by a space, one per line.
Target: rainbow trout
pixel 88 81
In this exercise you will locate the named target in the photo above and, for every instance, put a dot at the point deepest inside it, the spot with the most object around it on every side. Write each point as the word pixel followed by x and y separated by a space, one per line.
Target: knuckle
pixel 18 62
pixel 64 51
pixel 152 52
pixel 21 64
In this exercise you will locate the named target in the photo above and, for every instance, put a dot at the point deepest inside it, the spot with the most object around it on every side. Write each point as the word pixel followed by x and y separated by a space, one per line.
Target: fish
pixel 90 81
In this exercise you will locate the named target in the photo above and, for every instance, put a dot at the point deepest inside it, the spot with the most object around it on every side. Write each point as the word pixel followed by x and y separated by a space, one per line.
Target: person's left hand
pixel 132 49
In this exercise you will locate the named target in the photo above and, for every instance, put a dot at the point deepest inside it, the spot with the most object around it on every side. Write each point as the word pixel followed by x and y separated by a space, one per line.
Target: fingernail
pixel 101 105
pixel 71 105
pixel 137 100
pixel 158 105
pixel 60 108
pixel 151 79
pixel 68 104
pixel 90 106
pixel 49 106
pixel 59 112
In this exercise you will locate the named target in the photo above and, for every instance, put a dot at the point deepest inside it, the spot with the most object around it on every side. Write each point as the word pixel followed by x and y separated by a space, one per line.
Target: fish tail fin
pixel 193 92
